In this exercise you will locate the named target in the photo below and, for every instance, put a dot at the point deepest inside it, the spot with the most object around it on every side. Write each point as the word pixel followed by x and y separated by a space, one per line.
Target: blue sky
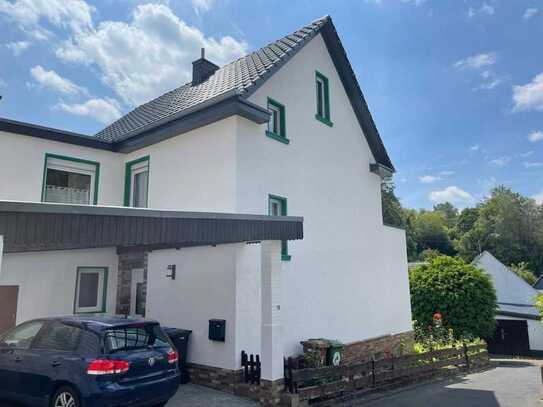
pixel 455 87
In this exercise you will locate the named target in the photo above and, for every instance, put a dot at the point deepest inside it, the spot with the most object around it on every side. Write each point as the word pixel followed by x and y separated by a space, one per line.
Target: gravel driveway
pixel 513 383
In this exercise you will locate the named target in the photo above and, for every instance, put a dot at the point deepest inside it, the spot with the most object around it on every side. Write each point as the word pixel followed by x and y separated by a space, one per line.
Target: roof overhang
pixel 29 226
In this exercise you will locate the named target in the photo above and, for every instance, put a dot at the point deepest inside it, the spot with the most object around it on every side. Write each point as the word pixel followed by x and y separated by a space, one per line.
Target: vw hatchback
pixel 88 362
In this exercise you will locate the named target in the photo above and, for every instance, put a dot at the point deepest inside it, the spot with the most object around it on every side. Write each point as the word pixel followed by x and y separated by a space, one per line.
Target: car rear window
pixel 135 337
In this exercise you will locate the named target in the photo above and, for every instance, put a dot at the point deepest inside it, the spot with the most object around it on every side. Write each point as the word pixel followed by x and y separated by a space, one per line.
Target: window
pixel 59 336
pixel 22 336
pixel 276 125
pixel 90 292
pixel 323 99
pixel 70 180
pixel 135 338
pixel 277 206
pixel 136 185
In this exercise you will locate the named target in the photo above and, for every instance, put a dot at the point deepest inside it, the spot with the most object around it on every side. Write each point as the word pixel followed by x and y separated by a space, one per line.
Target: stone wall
pixel 128 262
pixel 378 348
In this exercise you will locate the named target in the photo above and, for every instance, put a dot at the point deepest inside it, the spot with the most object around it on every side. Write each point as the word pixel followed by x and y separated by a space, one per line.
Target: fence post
pixel 372 372
pixel 464 346
pixel 258 369
pixel 245 366
pixel 252 367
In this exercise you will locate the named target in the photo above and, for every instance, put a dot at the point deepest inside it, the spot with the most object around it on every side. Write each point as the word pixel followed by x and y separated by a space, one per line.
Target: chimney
pixel 202 69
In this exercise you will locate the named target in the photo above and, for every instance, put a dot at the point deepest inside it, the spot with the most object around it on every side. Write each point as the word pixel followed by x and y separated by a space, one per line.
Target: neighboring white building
pixel 282 131
pixel 518 324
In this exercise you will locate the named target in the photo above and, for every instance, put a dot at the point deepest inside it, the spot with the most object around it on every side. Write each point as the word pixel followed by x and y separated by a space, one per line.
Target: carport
pixel 52 235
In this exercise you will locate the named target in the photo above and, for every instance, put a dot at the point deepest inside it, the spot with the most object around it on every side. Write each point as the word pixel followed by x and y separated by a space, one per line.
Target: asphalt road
pixel 514 383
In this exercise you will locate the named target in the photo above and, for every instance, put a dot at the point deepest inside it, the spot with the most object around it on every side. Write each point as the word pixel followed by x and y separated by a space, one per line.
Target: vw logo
pixel 151 362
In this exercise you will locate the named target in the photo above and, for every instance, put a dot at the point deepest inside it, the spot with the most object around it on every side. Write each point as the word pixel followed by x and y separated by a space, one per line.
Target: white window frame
pixel 135 170
pixel 101 292
pixel 75 167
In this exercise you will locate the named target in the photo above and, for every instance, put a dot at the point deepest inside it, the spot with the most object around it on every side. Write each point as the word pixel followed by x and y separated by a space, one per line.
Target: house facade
pixel 283 131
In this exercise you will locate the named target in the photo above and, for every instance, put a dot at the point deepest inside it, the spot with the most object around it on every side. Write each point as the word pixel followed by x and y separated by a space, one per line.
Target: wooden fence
pixel 314 384
pixel 251 368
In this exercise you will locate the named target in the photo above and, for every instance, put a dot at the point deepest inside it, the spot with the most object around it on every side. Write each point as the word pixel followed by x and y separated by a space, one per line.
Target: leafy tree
pixel 521 269
pixel 449 211
pixel 392 209
pixel 461 293
pixel 429 255
pixel 431 233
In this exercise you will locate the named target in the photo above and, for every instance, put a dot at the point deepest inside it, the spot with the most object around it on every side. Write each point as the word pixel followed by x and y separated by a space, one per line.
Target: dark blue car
pixel 88 362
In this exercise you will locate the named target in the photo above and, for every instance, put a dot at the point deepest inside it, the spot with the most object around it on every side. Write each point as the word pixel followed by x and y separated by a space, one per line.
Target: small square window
pixel 90 293
pixel 276 124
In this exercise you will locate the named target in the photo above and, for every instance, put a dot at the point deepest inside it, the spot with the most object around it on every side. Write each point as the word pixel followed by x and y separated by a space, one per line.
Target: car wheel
pixel 65 397
pixel 160 405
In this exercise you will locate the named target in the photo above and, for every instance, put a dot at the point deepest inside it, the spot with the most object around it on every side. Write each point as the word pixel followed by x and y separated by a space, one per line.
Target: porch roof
pixel 31 226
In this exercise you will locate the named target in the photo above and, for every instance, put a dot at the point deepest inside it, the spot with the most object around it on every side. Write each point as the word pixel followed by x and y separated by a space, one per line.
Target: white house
pixel 282 131
pixel 518 324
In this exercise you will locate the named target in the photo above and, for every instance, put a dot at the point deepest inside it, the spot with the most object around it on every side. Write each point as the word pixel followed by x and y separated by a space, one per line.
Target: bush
pixel 461 293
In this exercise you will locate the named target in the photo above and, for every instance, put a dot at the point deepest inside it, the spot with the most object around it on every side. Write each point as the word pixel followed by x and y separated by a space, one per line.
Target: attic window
pixel 276 125
pixel 323 99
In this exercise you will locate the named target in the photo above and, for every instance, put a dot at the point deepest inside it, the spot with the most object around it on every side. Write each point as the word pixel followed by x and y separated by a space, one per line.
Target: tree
pixel 449 211
pixel 521 269
pixel 392 209
pixel 461 293
pixel 431 233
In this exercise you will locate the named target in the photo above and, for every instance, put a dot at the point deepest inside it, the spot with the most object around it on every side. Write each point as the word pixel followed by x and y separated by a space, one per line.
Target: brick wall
pixel 378 348
pixel 128 262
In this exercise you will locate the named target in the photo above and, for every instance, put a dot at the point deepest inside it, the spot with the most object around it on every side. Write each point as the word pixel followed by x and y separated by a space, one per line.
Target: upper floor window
pixel 323 99
pixel 276 125
pixel 137 183
pixel 70 180
pixel 277 206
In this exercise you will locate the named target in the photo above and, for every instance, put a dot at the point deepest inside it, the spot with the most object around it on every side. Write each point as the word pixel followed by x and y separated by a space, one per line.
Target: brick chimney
pixel 202 69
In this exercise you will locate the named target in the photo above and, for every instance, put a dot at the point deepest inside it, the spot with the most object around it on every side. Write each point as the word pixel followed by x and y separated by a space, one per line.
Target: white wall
pixel 22 164
pixel 194 171
pixel 535 331
pixel 348 277
pixel 1 252
pixel 47 280
pixel 204 289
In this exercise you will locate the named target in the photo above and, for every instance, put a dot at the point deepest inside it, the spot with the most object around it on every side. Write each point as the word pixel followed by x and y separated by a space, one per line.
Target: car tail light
pixel 172 357
pixel 104 366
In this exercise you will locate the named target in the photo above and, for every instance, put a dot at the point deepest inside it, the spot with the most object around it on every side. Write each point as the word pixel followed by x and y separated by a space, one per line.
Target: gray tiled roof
pixel 237 77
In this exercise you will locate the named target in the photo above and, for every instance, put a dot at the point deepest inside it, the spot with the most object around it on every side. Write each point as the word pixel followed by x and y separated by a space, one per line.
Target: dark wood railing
pixel 251 368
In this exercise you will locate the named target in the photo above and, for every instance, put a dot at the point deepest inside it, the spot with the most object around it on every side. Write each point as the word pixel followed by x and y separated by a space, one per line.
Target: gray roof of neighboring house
pixel 538 285
pixel 224 93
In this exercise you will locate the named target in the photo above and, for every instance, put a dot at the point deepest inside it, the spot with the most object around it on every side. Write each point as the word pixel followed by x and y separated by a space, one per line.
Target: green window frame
pixel 283 212
pixel 277 125
pixel 102 296
pixel 95 164
pixel 322 91
pixel 129 166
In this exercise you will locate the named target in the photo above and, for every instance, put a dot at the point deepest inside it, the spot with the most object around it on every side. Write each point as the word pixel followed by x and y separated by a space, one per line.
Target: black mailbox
pixel 217 330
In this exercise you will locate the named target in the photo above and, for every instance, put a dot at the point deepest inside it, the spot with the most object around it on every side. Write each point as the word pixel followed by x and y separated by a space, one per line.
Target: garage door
pixel 510 338
pixel 8 306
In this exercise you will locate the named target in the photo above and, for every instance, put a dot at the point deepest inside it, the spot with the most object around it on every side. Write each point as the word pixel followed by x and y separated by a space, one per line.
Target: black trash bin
pixel 180 339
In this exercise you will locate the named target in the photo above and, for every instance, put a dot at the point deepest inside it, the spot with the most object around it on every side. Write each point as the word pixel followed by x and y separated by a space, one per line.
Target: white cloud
pixel 202 5
pixel 475 147
pixel 530 12
pixel 451 194
pixel 531 164
pixel 52 80
pixel 446 173
pixel 526 154
pixel 500 161
pixel 18 47
pixel 529 96
pixel 428 179
pixel 149 55
pixel 28 14
pixel 3 83
pixel 484 9
pixel 104 110
pixel 538 198
pixel 477 61
pixel 535 136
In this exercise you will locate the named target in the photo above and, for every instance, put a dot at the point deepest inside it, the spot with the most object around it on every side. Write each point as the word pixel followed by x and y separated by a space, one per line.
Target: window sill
pixel 277 137
pixel 324 120
pixel 285 257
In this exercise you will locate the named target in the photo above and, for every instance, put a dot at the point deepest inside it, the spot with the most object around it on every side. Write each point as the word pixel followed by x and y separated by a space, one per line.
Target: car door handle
pixel 18 359
pixel 56 363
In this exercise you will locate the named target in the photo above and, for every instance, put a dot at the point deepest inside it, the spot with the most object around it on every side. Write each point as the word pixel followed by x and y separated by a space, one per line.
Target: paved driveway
pixel 191 395
pixel 514 383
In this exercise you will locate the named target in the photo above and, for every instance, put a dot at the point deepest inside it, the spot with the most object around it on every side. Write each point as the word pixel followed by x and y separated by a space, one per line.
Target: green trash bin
pixel 334 353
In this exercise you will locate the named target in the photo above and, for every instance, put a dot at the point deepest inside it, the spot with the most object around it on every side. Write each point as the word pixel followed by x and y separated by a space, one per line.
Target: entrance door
pixel 510 338
pixel 137 293
pixel 8 306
